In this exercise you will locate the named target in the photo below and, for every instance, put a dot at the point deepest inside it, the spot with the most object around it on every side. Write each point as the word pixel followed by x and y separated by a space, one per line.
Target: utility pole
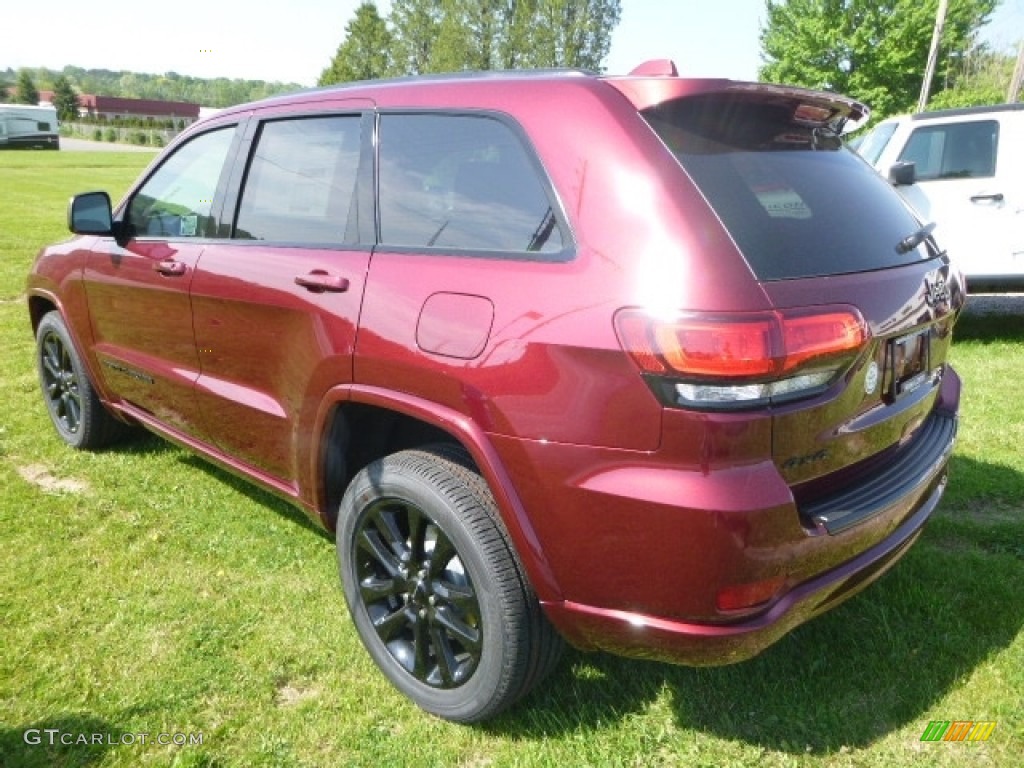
pixel 933 55
pixel 1013 94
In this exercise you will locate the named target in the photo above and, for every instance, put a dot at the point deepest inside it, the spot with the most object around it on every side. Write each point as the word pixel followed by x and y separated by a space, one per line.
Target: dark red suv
pixel 651 364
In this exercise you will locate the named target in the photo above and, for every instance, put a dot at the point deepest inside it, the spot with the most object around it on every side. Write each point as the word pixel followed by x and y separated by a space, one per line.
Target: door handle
pixel 171 268
pixel 996 197
pixel 319 281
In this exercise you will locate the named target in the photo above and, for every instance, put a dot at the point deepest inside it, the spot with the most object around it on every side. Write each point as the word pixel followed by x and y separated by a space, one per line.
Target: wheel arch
pixel 38 306
pixel 359 424
pixel 40 303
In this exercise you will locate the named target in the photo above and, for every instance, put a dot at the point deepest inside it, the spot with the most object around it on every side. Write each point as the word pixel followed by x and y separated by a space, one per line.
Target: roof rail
pixel 962 111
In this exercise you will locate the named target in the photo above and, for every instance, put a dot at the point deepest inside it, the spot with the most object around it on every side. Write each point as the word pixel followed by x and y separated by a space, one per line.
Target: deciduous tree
pixel 981 78
pixel 414 25
pixel 872 50
pixel 572 33
pixel 424 36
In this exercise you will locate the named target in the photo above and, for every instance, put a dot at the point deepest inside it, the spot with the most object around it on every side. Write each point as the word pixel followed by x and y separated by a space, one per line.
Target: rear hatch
pixel 864 300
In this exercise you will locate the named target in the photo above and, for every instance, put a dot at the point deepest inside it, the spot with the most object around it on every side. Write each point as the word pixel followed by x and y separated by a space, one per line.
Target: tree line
pixel 170 86
pixel 872 50
pixel 426 36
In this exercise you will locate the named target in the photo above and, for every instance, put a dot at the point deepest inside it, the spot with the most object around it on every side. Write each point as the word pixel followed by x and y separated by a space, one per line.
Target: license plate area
pixel 908 363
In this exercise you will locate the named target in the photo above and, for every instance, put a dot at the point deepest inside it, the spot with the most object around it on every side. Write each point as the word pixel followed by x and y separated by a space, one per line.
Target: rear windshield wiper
pixel 910 242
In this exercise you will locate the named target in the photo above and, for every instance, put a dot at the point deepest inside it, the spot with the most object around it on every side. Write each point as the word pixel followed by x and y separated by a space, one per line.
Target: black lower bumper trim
pixel 911 468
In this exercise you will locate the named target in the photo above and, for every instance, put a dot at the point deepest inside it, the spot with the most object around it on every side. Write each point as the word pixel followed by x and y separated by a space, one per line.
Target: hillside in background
pixel 220 92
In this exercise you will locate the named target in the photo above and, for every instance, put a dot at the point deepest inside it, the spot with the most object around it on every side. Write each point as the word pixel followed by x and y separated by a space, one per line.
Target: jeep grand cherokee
pixel 646 364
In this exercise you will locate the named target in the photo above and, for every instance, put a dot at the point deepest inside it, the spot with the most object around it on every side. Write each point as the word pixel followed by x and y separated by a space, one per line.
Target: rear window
pixel 797 202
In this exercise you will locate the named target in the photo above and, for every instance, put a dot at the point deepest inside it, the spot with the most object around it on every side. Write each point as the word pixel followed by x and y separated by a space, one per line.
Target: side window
pixel 177 199
pixel 954 151
pixel 461 182
pixel 300 182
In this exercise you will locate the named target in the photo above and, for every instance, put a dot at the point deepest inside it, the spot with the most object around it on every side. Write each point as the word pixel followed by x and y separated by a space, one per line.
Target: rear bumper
pixel 638 635
pixel 640 551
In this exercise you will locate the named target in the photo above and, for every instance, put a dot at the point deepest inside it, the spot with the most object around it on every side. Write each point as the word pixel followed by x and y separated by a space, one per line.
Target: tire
pixel 75 410
pixel 434 588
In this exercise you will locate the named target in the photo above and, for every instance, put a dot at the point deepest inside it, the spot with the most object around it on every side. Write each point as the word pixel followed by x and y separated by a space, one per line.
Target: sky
pixel 295 40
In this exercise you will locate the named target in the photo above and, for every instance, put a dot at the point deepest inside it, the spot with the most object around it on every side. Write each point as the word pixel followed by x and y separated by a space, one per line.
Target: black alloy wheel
pixel 60 383
pixel 435 590
pixel 417 594
pixel 75 409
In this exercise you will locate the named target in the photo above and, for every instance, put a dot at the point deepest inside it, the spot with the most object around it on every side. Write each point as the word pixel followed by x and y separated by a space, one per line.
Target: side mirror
pixel 903 173
pixel 90 214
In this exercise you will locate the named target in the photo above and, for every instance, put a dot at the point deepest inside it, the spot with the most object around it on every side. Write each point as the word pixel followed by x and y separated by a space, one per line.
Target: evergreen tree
pixel 365 52
pixel 26 91
pixel 65 99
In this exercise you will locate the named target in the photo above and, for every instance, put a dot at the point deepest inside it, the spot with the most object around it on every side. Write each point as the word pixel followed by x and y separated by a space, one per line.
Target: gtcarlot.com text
pixel 55 737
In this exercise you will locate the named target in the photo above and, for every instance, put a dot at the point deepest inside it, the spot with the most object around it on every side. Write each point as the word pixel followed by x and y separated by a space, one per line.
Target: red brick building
pixel 118 108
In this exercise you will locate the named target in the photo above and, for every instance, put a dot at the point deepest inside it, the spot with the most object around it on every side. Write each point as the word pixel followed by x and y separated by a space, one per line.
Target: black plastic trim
pixel 912 467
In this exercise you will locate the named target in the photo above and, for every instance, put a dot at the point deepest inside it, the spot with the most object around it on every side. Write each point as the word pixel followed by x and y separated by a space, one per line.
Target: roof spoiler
pixel 655 68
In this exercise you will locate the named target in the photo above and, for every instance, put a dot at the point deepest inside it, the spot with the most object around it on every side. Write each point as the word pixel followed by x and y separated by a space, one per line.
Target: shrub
pixel 111 135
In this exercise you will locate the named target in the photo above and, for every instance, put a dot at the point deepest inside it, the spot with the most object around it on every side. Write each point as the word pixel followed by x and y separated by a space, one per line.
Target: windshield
pixel 797 202
pixel 870 146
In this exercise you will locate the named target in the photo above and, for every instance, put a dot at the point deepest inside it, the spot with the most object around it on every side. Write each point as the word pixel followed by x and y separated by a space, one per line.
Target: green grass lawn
pixel 144 592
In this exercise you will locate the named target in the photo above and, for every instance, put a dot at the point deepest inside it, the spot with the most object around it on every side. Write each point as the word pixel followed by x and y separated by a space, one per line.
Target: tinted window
pixel 871 145
pixel 795 200
pixel 458 181
pixel 300 181
pixel 177 199
pixel 954 151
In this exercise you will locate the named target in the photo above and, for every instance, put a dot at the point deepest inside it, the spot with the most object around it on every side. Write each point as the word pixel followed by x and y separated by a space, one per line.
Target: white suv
pixel 964 170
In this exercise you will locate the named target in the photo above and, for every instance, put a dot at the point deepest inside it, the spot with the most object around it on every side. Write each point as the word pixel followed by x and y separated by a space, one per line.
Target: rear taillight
pixel 742 359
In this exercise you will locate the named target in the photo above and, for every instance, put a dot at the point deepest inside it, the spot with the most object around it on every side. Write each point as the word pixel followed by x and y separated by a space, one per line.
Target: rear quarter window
pixel 797 201
pixel 462 182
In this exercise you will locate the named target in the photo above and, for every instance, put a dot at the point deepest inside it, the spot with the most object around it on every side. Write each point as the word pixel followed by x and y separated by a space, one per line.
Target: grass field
pixel 144 592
